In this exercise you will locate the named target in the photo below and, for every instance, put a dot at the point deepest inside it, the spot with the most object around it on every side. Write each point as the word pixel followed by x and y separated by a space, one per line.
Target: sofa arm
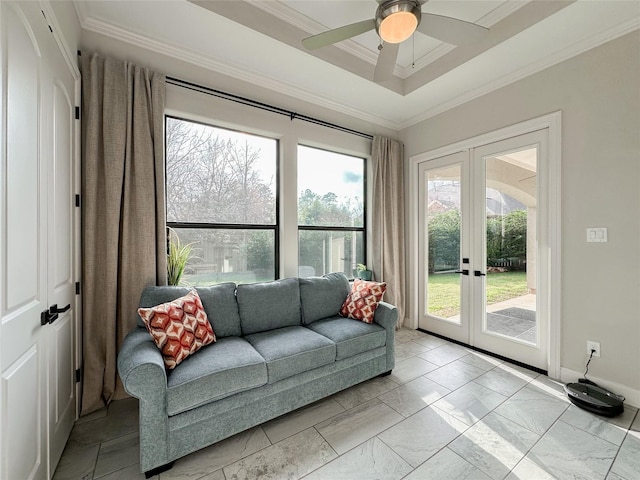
pixel 140 365
pixel 386 315
pixel 143 375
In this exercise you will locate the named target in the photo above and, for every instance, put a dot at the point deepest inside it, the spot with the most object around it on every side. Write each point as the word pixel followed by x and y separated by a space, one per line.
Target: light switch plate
pixel 597 234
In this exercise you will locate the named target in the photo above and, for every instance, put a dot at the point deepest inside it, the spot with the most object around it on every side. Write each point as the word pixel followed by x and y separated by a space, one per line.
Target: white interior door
pixel 59 109
pixel 484 248
pixel 24 253
pixel 37 389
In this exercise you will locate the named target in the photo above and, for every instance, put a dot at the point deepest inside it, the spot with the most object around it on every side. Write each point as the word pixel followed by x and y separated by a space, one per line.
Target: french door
pixel 483 249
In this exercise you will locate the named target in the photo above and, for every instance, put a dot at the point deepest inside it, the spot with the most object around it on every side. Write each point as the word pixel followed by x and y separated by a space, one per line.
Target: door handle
pixel 54 308
pixel 478 273
pixel 463 272
pixel 51 315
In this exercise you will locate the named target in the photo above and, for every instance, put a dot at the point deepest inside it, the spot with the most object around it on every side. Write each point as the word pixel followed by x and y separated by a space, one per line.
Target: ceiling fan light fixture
pixel 396 20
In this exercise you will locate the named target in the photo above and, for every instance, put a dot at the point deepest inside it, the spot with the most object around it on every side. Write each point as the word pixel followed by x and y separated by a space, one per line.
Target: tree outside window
pixel 221 198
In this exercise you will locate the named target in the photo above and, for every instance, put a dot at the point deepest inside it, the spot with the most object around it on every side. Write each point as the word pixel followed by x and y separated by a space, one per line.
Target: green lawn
pixel 444 290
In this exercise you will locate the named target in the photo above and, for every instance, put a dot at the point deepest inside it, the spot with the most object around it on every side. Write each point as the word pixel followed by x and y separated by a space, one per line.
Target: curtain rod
pixel 263 106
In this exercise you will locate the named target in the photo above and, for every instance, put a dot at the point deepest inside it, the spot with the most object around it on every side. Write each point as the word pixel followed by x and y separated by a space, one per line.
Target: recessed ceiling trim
pixel 501 12
pixel 292 16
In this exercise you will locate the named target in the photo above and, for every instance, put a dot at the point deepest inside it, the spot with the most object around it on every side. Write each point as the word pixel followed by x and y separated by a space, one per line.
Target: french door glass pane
pixel 511 245
pixel 443 240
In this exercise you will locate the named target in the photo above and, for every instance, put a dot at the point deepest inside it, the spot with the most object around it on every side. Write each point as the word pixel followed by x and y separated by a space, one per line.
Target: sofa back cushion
pixel 219 302
pixel 322 297
pixel 269 305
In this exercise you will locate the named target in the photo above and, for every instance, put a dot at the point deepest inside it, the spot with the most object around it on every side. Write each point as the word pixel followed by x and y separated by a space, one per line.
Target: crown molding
pixel 225 68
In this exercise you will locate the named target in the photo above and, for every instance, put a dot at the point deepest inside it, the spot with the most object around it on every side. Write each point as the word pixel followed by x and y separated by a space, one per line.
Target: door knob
pixel 463 272
pixel 478 273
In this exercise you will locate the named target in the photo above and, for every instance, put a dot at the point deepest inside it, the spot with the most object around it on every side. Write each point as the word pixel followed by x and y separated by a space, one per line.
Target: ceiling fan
pixel 395 21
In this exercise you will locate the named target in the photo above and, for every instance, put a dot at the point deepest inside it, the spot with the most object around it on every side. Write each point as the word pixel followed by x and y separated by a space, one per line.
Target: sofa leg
pixel 385 374
pixel 158 470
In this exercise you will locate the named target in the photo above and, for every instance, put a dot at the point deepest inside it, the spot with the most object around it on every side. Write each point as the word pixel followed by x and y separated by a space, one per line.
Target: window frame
pixel 365 202
pixel 230 226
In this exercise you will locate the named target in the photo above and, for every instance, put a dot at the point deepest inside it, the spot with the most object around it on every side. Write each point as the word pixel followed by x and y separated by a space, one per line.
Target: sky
pixel 322 171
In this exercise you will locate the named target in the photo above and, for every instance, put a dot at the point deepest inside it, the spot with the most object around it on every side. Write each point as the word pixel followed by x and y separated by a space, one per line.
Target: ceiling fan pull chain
pixel 413 48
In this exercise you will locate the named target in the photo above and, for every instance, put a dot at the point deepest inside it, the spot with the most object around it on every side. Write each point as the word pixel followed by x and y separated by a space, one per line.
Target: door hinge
pixel 77 288
pixel 77 200
pixel 46 20
pixel 78 375
pixel 77 113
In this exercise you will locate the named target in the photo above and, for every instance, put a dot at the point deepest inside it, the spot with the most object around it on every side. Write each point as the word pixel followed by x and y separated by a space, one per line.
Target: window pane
pixel 444 285
pixel 323 252
pixel 330 189
pixel 219 176
pixel 224 255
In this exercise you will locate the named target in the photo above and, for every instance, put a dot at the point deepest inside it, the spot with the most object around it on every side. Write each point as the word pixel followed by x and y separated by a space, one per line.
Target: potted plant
pixel 177 258
pixel 363 272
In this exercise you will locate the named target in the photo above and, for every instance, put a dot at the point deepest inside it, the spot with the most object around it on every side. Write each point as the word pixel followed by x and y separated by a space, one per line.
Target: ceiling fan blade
pixel 451 30
pixel 386 62
pixel 338 34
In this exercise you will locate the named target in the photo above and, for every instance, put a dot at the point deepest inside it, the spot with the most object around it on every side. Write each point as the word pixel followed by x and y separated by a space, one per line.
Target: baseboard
pixel 632 396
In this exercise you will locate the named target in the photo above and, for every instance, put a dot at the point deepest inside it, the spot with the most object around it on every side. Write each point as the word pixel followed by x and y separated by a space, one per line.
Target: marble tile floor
pixel 446 412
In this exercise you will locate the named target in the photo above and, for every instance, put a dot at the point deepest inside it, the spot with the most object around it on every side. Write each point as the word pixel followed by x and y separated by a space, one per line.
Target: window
pixel 222 199
pixel 331 212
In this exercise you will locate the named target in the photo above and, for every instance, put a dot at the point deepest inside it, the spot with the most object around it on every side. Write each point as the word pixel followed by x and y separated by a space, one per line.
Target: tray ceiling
pixel 259 41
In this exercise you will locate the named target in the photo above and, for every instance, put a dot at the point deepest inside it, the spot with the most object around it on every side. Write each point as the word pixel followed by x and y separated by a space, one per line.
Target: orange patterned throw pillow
pixel 362 301
pixel 179 328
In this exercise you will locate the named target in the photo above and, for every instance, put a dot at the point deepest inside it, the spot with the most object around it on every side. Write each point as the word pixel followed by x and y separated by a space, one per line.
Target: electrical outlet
pixel 593 346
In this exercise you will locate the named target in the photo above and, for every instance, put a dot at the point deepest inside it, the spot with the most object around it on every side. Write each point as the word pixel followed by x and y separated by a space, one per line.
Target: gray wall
pixel 598 93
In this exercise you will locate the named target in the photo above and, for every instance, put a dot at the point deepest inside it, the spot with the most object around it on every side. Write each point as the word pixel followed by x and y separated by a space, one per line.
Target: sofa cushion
pixel 322 297
pixel 351 337
pixel 292 350
pixel 179 328
pixel 269 305
pixel 222 308
pixel 155 295
pixel 229 366
pixel 362 301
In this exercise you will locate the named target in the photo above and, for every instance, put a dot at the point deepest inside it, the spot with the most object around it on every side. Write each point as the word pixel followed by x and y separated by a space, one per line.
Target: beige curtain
pixel 388 258
pixel 123 211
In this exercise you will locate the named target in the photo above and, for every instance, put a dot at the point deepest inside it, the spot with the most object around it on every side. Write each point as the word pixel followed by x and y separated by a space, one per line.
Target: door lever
pixel 54 308
pixel 463 272
pixel 51 315
pixel 478 273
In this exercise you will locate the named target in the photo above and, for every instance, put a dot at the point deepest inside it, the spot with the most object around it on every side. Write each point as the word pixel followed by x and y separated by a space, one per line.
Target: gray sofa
pixel 280 345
